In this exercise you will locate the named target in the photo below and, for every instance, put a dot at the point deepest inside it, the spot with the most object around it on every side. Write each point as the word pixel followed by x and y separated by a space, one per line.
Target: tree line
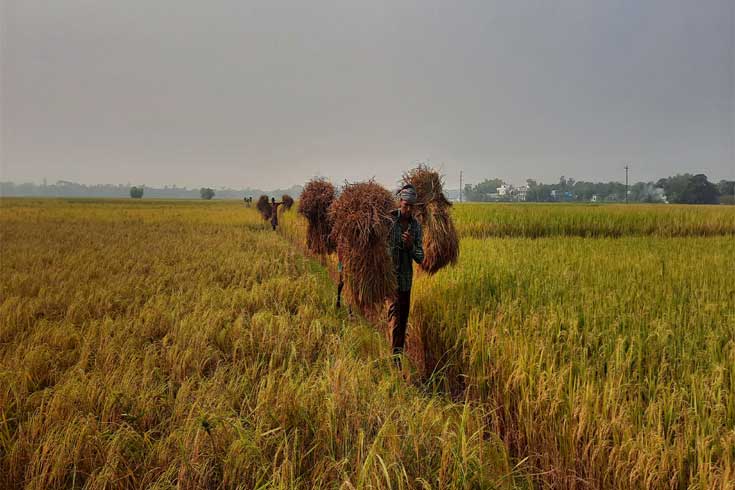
pixel 64 188
pixel 680 189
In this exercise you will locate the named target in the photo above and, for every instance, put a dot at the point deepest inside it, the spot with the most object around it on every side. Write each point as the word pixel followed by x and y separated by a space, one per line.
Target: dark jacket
pixel 403 258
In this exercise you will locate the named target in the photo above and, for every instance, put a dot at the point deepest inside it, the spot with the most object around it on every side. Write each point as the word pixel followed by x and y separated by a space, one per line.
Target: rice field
pixel 531 220
pixel 185 345
pixel 610 363
pixel 600 338
pixel 175 344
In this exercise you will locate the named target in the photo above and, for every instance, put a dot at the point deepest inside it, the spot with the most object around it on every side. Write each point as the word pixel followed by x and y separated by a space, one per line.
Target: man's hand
pixel 407 240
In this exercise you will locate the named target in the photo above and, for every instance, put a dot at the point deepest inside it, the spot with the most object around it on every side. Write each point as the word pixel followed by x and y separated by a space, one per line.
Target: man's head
pixel 273 199
pixel 407 196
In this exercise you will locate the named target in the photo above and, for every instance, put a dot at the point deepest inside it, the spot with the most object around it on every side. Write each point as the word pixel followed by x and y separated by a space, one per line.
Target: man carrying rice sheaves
pixel 274 212
pixel 405 242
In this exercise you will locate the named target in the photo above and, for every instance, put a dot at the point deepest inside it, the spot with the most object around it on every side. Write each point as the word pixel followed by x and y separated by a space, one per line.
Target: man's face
pixel 406 208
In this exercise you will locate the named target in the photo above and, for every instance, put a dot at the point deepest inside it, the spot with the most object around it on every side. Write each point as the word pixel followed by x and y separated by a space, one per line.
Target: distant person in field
pixel 274 212
pixel 406 247
pixel 341 283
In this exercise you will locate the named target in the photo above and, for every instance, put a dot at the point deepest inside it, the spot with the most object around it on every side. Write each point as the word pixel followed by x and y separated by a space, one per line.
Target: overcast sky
pixel 267 94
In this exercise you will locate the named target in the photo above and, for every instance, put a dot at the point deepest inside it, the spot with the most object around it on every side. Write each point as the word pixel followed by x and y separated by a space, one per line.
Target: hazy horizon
pixel 269 94
pixel 391 184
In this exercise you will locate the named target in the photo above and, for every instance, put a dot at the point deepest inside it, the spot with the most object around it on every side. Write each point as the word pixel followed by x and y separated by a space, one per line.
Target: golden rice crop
pixel 604 361
pixel 481 220
pixel 180 345
pixel 600 339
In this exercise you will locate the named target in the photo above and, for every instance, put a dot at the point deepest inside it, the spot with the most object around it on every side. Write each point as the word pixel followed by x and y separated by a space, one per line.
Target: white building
pixel 507 192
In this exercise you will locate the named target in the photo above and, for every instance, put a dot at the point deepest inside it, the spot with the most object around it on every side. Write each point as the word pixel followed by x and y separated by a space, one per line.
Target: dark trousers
pixel 398 319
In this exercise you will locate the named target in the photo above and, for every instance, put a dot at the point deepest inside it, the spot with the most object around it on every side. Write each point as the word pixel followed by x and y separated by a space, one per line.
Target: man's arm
pixel 417 252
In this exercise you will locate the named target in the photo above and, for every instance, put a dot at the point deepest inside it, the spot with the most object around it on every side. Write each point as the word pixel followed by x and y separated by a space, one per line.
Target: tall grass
pixel 186 345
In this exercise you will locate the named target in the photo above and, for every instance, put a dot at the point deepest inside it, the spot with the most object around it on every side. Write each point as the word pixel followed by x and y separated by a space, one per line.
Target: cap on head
pixel 408 194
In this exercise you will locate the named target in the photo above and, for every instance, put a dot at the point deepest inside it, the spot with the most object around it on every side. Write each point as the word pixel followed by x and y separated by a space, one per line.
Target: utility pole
pixel 626 184
pixel 460 186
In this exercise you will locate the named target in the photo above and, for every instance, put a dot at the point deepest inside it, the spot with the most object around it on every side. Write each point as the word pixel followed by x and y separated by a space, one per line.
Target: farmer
pixel 406 247
pixel 341 283
pixel 274 212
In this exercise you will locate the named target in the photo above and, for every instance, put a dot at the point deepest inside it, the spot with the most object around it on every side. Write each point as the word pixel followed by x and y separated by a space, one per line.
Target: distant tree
pixel 675 187
pixel 481 192
pixel 538 192
pixel 616 191
pixel 727 191
pixel 647 192
pixel 565 183
pixel 532 192
pixel 206 193
pixel 638 191
pixel 690 189
pixel 701 191
pixel 136 192
pixel 726 187
pixel 469 193
pixel 583 191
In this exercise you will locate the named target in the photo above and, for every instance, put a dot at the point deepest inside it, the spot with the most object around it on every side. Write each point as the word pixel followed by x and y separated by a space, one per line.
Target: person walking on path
pixel 341 283
pixel 405 242
pixel 274 212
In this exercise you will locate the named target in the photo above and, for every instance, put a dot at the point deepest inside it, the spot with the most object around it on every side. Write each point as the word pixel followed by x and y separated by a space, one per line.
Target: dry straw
pixel 317 196
pixel 287 202
pixel 360 226
pixel 440 240
pixel 264 207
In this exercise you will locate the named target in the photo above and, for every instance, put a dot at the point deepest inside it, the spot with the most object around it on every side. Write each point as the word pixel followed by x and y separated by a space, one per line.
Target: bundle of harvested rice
pixel 287 202
pixel 264 207
pixel 360 227
pixel 440 240
pixel 317 196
